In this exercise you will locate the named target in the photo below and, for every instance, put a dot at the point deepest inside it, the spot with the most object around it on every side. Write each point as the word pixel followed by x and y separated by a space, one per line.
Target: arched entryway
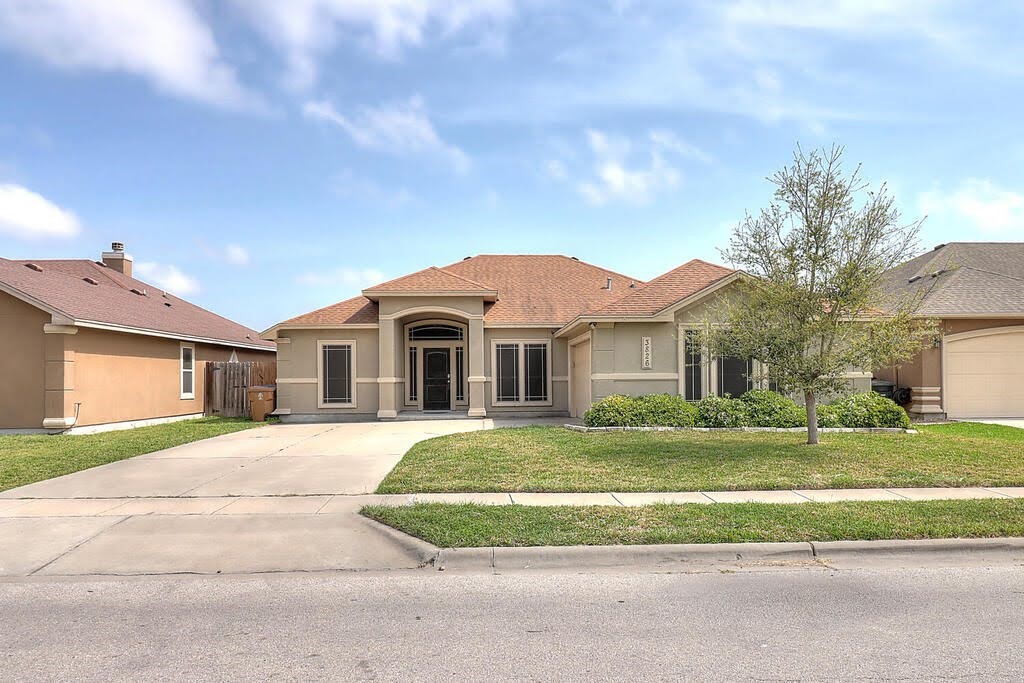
pixel 435 353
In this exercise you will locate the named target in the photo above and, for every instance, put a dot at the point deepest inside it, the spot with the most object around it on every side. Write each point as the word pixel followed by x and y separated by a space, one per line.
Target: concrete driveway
pixel 279 498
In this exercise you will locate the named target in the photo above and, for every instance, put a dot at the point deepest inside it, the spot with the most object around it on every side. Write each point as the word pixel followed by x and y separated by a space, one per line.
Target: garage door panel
pixel 985 376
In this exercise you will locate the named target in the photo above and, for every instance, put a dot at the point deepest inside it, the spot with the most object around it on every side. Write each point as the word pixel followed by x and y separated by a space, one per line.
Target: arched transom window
pixel 435 331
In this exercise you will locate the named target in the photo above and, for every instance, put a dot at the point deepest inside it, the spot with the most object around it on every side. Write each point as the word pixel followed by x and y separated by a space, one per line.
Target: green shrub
pixel 770 409
pixel 755 408
pixel 665 410
pixel 613 411
pixel 866 410
pixel 828 416
pixel 715 411
pixel 655 410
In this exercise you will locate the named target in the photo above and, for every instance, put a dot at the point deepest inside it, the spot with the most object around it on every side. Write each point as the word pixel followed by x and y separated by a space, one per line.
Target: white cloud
pixel 666 139
pixel 614 180
pixel 306 30
pixel 400 128
pixel 236 254
pixel 167 277
pixel 27 215
pixel 979 204
pixel 164 41
pixel 342 277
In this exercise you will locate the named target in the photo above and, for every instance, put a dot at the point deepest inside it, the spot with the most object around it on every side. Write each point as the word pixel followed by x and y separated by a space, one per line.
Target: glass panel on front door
pixel 436 380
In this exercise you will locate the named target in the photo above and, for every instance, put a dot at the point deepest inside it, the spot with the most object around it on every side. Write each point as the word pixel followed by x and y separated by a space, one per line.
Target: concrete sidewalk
pixel 307 505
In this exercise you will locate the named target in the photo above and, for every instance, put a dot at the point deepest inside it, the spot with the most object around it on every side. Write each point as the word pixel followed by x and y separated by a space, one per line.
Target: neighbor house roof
pixel 531 290
pixel 964 279
pixel 663 291
pixel 90 294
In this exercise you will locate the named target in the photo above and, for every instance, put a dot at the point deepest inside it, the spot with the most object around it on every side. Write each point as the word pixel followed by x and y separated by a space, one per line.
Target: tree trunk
pixel 811 401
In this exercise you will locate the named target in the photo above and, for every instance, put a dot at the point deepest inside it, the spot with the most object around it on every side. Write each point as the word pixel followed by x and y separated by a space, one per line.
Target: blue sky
pixel 265 158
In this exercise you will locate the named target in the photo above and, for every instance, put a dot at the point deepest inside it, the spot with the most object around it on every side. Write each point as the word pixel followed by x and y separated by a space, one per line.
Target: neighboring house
pixel 83 343
pixel 975 291
pixel 493 334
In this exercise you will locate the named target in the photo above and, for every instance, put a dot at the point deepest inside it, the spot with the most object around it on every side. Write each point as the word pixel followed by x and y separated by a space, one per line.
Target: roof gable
pixel 665 290
pixel 430 280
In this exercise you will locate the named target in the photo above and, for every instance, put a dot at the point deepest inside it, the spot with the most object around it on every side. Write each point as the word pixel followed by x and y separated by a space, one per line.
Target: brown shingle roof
pixel 355 311
pixel 665 290
pixel 61 285
pixel 541 289
pixel 532 289
pixel 964 278
pixel 432 279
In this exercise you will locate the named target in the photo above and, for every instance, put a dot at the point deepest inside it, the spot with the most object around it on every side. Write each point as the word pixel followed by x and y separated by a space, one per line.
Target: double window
pixel 522 372
pixel 336 377
pixel 188 371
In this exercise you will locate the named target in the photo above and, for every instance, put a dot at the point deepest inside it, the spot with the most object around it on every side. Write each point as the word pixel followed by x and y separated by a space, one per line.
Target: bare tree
pixel 814 306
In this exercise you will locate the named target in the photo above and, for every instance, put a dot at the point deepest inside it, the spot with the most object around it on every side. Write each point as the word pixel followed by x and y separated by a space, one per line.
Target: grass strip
pixel 468 525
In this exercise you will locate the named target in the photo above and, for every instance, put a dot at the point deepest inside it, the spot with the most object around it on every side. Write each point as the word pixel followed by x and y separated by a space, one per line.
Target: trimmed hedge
pixel 653 410
pixel 770 409
pixel 756 408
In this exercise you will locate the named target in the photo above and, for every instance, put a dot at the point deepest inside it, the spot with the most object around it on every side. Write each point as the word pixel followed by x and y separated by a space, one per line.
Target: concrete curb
pixel 583 557
pixel 950 548
pixel 425 553
pixel 712 554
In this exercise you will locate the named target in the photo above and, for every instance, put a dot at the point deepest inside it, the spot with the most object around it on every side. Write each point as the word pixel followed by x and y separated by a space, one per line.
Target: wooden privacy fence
pixel 227 385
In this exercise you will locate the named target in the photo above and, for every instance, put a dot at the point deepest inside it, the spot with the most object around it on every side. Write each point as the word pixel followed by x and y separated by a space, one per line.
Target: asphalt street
pixel 962 623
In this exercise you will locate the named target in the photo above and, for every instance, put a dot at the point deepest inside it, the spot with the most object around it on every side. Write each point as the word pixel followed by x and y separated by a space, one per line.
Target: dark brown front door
pixel 437 383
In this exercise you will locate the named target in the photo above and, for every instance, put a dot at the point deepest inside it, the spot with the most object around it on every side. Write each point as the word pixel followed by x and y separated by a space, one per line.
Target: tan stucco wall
pixel 400 305
pixel 617 359
pixel 22 356
pixel 119 377
pixel 297 388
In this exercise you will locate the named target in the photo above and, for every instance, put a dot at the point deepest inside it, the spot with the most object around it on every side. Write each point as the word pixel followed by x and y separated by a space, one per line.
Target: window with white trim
pixel 337 373
pixel 522 372
pixel 693 360
pixel 187 368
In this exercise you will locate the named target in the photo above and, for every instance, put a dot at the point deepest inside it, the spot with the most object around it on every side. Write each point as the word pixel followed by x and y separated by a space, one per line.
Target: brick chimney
pixel 117 259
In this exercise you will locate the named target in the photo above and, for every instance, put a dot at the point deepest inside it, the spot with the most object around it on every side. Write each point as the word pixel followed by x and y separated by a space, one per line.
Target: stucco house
pixel 975 291
pixel 83 344
pixel 501 334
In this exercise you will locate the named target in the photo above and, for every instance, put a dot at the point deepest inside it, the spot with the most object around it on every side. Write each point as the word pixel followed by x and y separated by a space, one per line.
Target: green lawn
pixel 31 458
pixel 556 459
pixel 463 526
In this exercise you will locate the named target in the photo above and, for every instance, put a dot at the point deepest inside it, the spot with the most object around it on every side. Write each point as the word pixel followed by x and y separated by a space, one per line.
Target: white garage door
pixel 985 374
pixel 580 378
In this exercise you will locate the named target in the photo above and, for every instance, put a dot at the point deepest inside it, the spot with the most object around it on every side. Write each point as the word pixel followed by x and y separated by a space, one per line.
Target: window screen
pixel 536 359
pixel 337 373
pixel 694 378
pixel 734 375
pixel 507 372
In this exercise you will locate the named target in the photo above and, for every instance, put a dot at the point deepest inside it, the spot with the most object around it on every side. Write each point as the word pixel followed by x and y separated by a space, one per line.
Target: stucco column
pixel 59 376
pixel 477 380
pixel 386 380
pixel 927 398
